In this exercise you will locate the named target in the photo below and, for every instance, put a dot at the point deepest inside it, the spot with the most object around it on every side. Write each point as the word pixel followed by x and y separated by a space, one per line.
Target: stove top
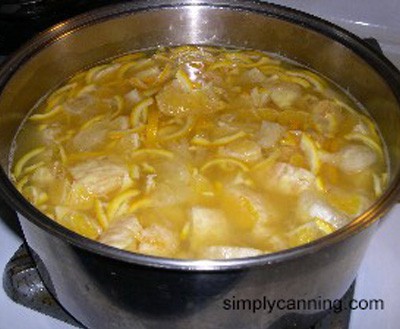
pixel 21 19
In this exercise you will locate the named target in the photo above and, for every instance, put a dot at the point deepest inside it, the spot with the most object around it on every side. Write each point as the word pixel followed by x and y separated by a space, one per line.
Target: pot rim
pixel 379 62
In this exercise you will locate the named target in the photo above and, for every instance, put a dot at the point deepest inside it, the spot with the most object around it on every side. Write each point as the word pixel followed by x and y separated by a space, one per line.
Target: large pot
pixel 103 287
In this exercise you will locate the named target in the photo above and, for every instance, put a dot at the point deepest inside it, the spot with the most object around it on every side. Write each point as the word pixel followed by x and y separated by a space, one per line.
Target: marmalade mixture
pixel 199 152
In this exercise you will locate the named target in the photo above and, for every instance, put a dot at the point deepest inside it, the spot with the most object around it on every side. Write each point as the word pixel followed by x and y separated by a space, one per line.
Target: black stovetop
pixel 21 19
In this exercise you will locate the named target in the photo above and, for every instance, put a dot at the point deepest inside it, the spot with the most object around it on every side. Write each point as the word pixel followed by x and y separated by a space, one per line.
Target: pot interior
pixel 73 45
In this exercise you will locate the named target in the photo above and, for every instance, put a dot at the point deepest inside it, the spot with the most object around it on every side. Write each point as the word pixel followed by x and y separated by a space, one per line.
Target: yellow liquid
pixel 199 152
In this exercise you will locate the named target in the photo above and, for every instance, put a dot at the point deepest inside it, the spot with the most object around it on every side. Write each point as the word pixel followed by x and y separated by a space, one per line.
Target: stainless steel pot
pixel 104 287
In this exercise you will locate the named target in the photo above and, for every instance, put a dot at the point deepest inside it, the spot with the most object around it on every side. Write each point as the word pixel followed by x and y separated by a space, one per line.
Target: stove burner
pixel 22 283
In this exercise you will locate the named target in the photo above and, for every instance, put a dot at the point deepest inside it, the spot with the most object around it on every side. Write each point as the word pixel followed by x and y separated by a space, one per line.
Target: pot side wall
pixel 101 292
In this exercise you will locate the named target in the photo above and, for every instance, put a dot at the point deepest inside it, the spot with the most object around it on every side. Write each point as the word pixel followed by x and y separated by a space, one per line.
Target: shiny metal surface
pixel 102 292
pixel 22 283
pixel 153 292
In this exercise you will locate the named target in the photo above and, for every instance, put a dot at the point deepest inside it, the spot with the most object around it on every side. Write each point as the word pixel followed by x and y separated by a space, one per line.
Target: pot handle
pixel 374 44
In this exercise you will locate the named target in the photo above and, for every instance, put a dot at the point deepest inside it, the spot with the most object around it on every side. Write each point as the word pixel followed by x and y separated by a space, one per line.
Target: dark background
pixel 21 19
